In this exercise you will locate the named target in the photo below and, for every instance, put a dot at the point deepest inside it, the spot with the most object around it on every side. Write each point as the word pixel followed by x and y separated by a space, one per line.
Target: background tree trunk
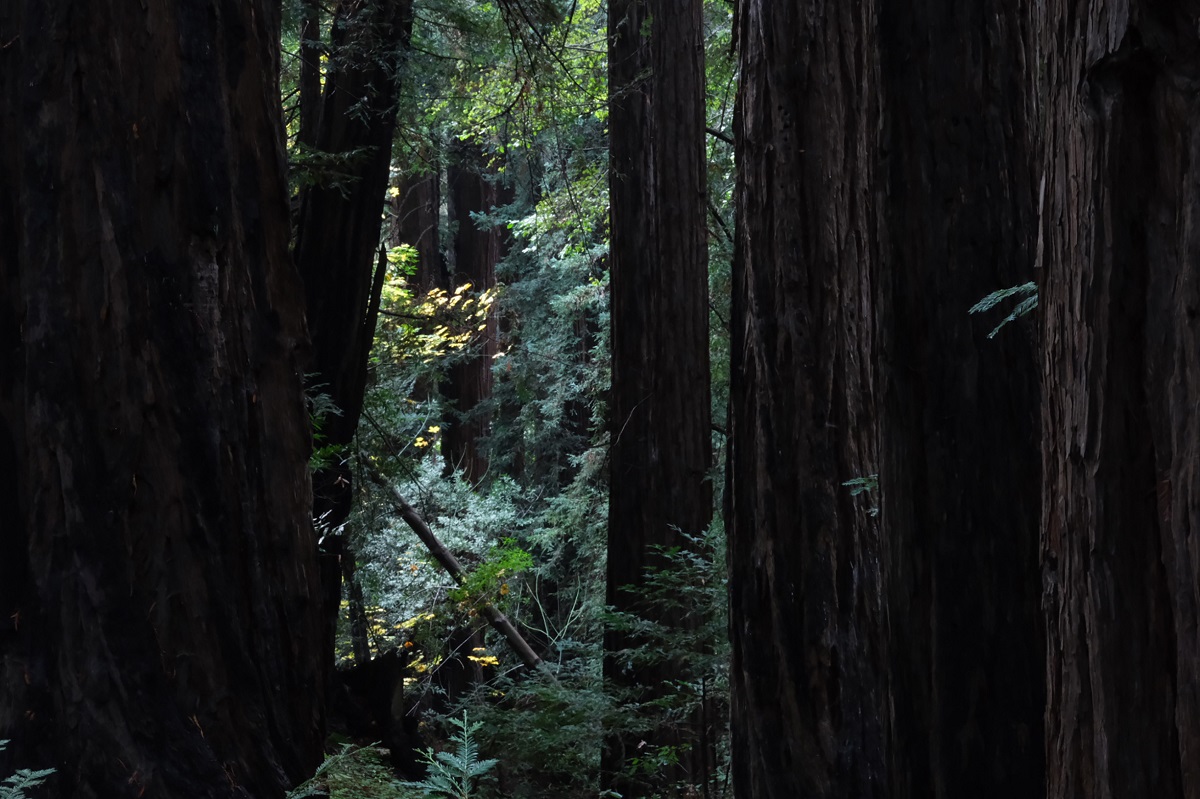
pixel 661 448
pixel 809 667
pixel 159 629
pixel 468 387
pixel 1121 437
pixel 418 211
pixel 960 465
pixel 310 72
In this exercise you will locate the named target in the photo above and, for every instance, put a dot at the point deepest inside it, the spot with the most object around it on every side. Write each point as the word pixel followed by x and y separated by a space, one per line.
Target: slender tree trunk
pixel 809 685
pixel 468 387
pixel 1121 436
pixel 159 625
pixel 360 640
pixel 960 459
pixel 310 72
pixel 416 221
pixel 661 448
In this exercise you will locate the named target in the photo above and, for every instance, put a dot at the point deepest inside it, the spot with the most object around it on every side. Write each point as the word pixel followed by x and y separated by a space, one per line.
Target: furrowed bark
pixel 660 420
pixel 1119 237
pixel 159 632
pixel 960 472
pixel 809 670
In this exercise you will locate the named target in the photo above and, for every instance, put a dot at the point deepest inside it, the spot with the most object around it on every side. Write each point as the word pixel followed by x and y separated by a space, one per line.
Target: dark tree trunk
pixel 416 221
pixel 960 453
pixel 509 413
pixel 360 642
pixel 337 241
pixel 310 72
pixel 809 667
pixel 468 386
pixel 339 227
pixel 661 449
pixel 1121 436
pixel 418 209
pixel 159 625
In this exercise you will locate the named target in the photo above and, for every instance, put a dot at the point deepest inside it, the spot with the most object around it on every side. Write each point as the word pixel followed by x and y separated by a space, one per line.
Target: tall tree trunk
pixel 418 209
pixel 159 626
pixel 339 227
pixel 468 387
pixel 337 240
pixel 416 221
pixel 356 610
pixel 809 688
pixel 960 458
pixel 310 72
pixel 661 448
pixel 1121 436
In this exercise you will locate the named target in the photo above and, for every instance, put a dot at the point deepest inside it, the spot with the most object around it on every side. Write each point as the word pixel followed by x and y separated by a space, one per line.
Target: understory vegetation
pixel 520 105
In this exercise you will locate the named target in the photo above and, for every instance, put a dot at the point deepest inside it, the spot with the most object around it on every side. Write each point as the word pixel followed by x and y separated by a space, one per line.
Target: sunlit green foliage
pixel 426 326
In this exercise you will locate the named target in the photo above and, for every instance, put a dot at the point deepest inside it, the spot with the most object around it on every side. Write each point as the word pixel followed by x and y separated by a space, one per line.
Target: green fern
pixel 1027 290
pixel 13 787
pixel 314 785
pixel 453 774
pixel 320 408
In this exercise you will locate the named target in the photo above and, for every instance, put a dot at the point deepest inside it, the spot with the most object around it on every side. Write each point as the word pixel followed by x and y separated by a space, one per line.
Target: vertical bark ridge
pixel 809 676
pixel 1119 444
pixel 661 450
pixel 960 474
pixel 162 635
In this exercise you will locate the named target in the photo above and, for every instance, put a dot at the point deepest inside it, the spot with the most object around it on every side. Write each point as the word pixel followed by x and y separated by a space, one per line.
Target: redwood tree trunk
pixel 339 227
pixel 468 387
pixel 1121 436
pixel 310 72
pixel 417 210
pixel 337 243
pixel 960 454
pixel 159 632
pixel 809 668
pixel 661 447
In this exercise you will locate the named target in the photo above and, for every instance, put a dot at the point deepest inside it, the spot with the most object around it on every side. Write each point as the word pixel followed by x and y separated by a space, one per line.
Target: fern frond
pixel 1025 306
pixel 481 767
pixel 452 775
pixel 13 787
pixel 996 297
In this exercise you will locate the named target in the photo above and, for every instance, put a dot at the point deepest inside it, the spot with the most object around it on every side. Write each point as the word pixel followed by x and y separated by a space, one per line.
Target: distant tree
pixel 809 671
pixel 1120 442
pixel 661 449
pixel 417 210
pixel 960 459
pixel 159 632
pixel 309 79
pixel 477 249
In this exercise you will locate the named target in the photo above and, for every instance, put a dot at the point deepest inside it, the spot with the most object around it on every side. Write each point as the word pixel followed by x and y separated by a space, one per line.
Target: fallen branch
pixel 450 563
